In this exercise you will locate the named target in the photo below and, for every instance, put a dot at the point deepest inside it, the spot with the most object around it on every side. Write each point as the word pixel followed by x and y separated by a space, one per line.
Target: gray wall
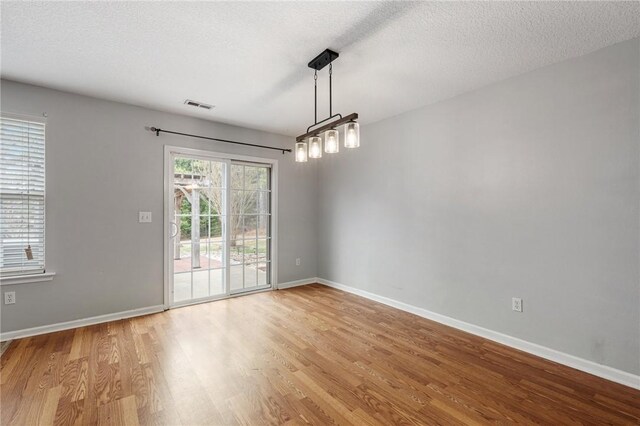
pixel 526 188
pixel 102 168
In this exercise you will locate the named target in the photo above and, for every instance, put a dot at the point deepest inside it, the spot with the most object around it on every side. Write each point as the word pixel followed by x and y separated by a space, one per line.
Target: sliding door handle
pixel 173 224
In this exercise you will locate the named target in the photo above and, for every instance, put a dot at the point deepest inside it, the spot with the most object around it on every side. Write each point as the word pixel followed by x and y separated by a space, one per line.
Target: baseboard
pixel 581 364
pixel 27 332
pixel 297 283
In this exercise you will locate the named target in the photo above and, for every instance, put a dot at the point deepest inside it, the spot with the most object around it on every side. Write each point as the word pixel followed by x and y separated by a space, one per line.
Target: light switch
pixel 144 217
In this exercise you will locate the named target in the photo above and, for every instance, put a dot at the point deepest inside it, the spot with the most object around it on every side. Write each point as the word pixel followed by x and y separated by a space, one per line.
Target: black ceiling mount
pixel 323 59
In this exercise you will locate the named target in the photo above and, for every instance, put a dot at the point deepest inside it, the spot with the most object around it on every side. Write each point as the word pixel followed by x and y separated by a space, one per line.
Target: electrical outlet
pixel 516 304
pixel 9 297
pixel 144 217
pixel 297 261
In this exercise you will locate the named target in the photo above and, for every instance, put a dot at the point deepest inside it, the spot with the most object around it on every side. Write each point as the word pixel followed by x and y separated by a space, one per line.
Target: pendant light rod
pixel 158 131
pixel 315 97
pixel 330 91
pixel 341 120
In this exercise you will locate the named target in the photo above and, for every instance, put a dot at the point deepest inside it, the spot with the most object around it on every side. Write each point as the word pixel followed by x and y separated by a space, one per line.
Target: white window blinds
pixel 21 195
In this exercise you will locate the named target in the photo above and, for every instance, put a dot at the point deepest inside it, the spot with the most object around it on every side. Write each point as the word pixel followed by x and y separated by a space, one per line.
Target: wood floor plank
pixel 42 408
pixel 306 355
pixel 69 412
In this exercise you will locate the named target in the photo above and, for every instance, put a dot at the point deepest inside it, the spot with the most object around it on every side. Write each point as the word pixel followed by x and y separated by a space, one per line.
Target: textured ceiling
pixel 250 59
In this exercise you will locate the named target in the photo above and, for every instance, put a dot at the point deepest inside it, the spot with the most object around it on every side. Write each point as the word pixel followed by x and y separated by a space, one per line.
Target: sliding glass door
pixel 249 241
pixel 220 233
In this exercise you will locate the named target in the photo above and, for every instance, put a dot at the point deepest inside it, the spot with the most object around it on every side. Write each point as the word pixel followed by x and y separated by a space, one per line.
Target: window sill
pixel 25 279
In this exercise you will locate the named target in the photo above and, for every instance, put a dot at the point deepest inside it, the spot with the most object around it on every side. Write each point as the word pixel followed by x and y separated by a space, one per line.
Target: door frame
pixel 168 183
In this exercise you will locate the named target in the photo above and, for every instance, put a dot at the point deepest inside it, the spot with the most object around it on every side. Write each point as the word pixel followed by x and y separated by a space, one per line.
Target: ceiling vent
pixel 197 104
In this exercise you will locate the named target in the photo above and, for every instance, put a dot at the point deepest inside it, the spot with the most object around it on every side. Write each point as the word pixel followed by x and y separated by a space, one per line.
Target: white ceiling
pixel 250 59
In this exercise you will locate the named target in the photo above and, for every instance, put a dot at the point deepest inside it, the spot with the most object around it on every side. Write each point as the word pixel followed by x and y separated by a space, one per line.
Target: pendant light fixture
pixel 351 135
pixel 331 141
pixel 315 147
pixel 301 152
pixel 326 130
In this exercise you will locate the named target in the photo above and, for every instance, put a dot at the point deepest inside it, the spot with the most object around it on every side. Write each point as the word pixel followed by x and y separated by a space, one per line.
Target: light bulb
pixel 351 135
pixel 301 152
pixel 331 141
pixel 315 147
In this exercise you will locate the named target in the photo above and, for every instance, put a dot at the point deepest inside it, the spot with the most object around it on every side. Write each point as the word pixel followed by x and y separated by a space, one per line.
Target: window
pixel 22 184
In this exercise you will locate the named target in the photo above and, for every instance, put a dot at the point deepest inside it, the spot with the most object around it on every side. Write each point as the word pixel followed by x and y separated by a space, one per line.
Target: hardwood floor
pixel 305 355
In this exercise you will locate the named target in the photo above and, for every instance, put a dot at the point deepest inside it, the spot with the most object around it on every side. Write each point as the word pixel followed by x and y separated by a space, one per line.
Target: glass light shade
pixel 351 135
pixel 331 141
pixel 301 152
pixel 315 147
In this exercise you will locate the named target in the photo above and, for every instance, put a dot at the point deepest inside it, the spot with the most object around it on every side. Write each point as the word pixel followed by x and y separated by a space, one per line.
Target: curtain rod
pixel 158 130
